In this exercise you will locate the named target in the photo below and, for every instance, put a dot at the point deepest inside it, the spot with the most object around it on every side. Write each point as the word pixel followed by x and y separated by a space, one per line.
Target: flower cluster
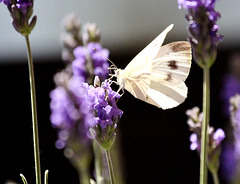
pixel 235 119
pixel 203 28
pixel 76 107
pixel 21 11
pixel 78 50
pixel 69 112
pixel 231 82
pixel 102 102
pixel 215 138
pixel 194 122
pixel 231 154
pixel 71 38
pixel 89 63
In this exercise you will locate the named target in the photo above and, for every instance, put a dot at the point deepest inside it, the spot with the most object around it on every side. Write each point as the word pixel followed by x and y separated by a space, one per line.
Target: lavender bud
pixel 21 12
pixel 203 29
pixel 91 33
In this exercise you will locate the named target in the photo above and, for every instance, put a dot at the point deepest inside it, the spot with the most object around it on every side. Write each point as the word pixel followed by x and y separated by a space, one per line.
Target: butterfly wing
pixel 170 68
pixel 149 51
pixel 157 74
pixel 135 78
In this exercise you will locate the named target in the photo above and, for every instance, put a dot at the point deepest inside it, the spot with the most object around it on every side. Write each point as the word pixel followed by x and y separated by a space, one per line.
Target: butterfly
pixel 157 74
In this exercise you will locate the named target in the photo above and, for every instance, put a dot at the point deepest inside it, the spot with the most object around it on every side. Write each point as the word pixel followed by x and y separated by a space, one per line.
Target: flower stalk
pixel 215 178
pixel 34 112
pixel 205 124
pixel 110 166
pixel 204 38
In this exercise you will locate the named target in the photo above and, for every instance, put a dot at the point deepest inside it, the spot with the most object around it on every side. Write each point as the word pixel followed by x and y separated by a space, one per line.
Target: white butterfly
pixel 157 74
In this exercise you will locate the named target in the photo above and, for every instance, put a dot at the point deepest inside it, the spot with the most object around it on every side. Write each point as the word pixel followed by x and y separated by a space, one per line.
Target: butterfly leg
pixel 120 88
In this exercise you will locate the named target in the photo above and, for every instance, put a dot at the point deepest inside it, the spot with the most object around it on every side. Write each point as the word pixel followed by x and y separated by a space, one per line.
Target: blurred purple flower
pixel 194 121
pixel 218 136
pixel 203 28
pixel 215 139
pixel 76 107
pixel 195 118
pixel 231 153
pixel 235 119
pixel 231 86
pixel 83 58
pixel 6 2
pixel 195 144
pixel 229 163
pixel 69 113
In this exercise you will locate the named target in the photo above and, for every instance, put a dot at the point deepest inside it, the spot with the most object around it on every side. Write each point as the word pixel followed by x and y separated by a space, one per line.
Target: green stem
pixel 46 177
pixel 110 166
pixel 205 123
pixel 98 163
pixel 34 113
pixel 24 179
pixel 215 178
pixel 84 177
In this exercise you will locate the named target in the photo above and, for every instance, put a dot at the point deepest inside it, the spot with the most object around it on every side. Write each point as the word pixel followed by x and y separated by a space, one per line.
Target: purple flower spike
pixel 24 4
pixel 215 138
pixel 21 11
pixel 69 112
pixel 6 2
pixel 102 101
pixel 203 29
pixel 88 62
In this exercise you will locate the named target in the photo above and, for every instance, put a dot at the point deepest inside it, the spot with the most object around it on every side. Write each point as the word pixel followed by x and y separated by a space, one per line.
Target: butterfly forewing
pixel 173 61
pixel 149 51
pixel 170 68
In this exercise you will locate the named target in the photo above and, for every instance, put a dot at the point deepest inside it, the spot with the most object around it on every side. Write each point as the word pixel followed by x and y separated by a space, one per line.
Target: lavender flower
pixel 73 119
pixel 102 101
pixel 235 119
pixel 71 38
pixel 215 138
pixel 6 2
pixel 69 112
pixel 91 33
pixel 231 82
pixel 203 28
pixel 88 62
pixel 231 154
pixel 21 11
pixel 78 50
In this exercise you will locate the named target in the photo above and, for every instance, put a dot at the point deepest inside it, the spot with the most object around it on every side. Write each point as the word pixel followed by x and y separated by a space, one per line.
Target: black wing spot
pixel 169 77
pixel 173 65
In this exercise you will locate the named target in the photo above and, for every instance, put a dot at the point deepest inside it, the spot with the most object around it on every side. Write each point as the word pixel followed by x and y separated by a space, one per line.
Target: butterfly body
pixel 157 74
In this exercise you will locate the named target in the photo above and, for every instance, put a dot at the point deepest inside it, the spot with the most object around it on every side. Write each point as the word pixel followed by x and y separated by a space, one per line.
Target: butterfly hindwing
pixel 170 68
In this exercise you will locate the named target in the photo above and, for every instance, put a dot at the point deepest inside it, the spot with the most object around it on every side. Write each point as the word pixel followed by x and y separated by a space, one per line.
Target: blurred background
pixel 154 143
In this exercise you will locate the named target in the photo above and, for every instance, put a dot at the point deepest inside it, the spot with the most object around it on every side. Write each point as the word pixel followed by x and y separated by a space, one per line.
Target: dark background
pixel 155 143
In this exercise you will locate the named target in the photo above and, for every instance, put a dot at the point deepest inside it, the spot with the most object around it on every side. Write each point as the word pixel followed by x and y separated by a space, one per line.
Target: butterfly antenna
pixel 115 67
